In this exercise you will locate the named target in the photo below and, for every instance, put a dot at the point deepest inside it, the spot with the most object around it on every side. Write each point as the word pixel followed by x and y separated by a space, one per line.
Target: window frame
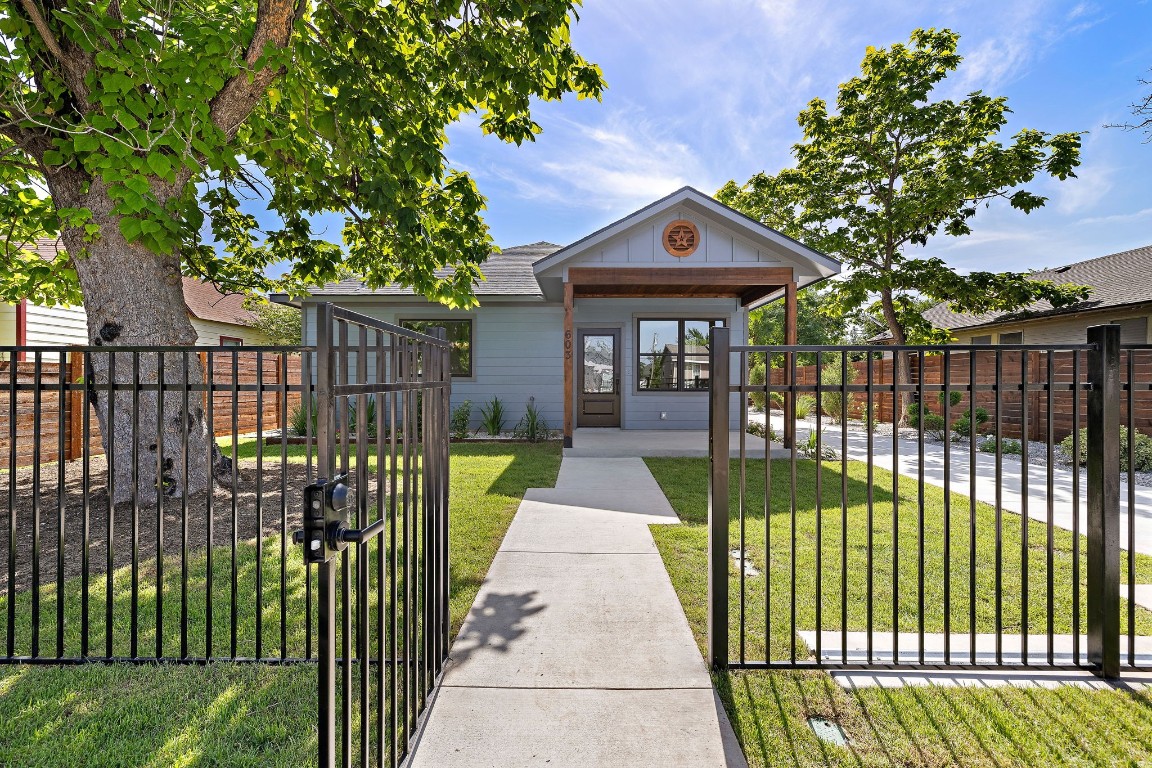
pixel 231 341
pixel 680 321
pixel 471 321
pixel 1000 337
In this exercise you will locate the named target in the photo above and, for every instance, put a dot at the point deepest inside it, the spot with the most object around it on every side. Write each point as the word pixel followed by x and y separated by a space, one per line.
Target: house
pixel 611 330
pixel 219 319
pixel 1121 293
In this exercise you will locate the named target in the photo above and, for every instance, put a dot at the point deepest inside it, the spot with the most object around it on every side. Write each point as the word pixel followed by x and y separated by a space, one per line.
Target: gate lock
pixel 325 519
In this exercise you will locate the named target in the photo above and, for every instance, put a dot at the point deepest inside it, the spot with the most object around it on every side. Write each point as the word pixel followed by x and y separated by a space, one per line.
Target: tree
pixel 890 169
pixel 766 324
pixel 280 323
pixel 1142 110
pixel 129 127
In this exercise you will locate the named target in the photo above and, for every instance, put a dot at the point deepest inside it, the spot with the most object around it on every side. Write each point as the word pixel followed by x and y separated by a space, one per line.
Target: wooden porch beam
pixel 680 276
pixel 569 341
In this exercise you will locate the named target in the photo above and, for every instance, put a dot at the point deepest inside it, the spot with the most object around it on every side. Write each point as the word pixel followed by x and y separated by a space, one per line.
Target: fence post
pixel 1103 455
pixel 719 402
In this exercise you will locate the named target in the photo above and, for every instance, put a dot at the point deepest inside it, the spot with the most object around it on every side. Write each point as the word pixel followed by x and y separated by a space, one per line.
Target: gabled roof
pixel 709 206
pixel 1116 280
pixel 206 303
pixel 508 273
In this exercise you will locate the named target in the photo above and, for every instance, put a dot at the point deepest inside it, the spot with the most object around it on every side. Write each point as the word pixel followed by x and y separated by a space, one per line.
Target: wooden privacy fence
pixel 48 413
pixel 1015 366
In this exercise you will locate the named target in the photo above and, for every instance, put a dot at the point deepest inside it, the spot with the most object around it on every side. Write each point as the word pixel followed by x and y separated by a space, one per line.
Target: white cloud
pixel 1117 218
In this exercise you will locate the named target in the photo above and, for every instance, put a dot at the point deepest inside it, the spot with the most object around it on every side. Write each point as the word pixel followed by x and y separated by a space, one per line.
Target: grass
pixel 912 726
pixel 223 714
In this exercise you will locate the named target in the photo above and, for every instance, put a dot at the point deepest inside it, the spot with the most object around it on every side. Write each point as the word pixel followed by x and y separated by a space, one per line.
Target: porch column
pixel 789 338
pixel 568 343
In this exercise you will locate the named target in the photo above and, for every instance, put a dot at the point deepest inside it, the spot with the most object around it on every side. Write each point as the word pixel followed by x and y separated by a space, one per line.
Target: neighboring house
pixel 583 328
pixel 1121 293
pixel 218 318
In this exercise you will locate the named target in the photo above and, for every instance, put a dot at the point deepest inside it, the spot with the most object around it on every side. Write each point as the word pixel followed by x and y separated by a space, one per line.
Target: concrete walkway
pixel 576 651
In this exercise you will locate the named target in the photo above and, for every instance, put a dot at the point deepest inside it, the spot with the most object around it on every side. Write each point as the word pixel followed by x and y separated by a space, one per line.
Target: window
pixel 672 355
pixel 982 339
pixel 459 337
pixel 1012 338
pixel 231 341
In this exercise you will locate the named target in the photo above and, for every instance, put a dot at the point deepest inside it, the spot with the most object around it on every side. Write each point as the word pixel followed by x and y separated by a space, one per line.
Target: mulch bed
pixel 72 507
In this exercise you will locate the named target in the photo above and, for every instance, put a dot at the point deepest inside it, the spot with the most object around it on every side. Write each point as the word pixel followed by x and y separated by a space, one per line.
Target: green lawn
pixel 914 726
pixel 224 714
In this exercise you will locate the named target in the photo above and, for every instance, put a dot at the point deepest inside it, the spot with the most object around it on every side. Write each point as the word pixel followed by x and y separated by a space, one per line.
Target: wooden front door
pixel 598 378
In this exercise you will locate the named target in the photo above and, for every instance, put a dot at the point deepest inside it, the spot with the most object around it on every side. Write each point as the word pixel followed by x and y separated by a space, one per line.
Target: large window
pixel 672 355
pixel 459 336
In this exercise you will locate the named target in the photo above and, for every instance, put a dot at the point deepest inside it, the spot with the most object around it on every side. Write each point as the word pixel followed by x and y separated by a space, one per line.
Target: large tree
pixel 890 169
pixel 129 128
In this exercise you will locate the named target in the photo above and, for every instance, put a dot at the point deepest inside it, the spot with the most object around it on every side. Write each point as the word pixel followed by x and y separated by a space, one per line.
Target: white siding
pixel 56 326
pixel 208 333
pixel 7 325
pixel 1136 328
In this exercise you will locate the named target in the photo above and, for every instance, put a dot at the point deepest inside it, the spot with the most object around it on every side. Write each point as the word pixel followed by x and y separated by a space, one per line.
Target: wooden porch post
pixel 789 338
pixel 568 342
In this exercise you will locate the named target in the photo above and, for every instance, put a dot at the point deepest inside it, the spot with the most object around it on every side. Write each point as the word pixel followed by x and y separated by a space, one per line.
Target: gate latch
pixel 325 519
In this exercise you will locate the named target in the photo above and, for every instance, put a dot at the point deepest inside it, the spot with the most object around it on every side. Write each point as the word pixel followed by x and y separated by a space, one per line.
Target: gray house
pixel 612 330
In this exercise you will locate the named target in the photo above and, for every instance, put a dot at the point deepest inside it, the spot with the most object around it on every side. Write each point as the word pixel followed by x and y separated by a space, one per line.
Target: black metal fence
pixel 118 546
pixel 237 504
pixel 934 540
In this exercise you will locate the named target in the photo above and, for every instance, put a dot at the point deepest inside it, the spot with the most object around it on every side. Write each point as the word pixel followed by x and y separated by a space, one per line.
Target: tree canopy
pixel 890 168
pixel 149 124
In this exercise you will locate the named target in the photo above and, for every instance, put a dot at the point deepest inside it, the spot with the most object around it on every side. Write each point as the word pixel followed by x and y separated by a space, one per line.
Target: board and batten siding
pixel 7 325
pixel 517 353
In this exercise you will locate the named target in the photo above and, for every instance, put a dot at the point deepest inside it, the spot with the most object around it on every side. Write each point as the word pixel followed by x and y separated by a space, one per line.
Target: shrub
pixel 531 426
pixel 962 427
pixel 461 416
pixel 1007 446
pixel 832 401
pixel 756 378
pixel 804 406
pixel 1142 449
pixel 810 449
pixel 953 397
pixel 762 430
pixel 492 417
pixel 299 418
pixel 369 415
pixel 934 426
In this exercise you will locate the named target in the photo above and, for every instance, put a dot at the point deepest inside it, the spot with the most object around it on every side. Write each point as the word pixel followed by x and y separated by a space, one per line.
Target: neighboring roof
pixel 206 303
pixel 508 273
pixel 1116 280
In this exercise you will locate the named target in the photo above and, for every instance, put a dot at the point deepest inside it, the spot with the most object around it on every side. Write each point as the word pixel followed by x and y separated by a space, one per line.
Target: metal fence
pixel 223 504
pixel 938 541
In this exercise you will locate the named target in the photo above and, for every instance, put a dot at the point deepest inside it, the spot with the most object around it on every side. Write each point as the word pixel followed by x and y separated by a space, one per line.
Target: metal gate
pixel 376 529
pixel 914 545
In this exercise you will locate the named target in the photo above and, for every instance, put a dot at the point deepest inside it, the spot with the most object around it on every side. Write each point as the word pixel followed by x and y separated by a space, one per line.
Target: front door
pixel 598 378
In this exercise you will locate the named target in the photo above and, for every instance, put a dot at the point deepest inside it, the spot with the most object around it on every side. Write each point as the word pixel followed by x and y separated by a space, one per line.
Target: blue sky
pixel 705 91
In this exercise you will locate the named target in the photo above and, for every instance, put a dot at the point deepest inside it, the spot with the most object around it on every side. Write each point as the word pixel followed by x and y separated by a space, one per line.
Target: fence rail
pixel 956 539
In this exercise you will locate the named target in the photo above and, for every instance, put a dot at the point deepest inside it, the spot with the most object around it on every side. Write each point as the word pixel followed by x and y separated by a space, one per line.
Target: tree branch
pixel 240 95
pixel 73 76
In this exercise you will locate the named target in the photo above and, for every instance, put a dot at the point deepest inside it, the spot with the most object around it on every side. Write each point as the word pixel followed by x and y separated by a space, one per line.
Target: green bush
pixel 492 417
pixel 299 418
pixel 1007 446
pixel 812 448
pixel 531 426
pixel 1142 449
pixel 804 406
pixel 962 427
pixel 832 401
pixel 461 416
pixel 762 430
pixel 369 414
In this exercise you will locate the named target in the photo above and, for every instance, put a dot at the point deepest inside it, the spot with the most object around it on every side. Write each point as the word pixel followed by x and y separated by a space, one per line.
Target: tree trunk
pixel 133 297
pixel 901 370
